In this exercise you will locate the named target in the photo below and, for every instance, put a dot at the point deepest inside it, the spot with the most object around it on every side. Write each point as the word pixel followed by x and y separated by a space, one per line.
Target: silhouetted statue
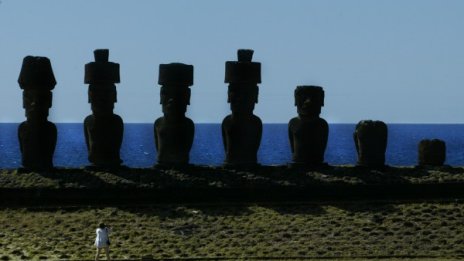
pixel 103 129
pixel 432 152
pixel 370 138
pixel 37 136
pixel 308 132
pixel 174 132
pixel 242 130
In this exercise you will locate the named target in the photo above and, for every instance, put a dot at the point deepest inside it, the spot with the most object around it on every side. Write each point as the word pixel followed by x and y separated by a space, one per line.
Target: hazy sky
pixel 396 61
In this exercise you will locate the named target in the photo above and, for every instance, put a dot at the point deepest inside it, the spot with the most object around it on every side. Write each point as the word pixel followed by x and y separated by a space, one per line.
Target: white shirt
pixel 102 237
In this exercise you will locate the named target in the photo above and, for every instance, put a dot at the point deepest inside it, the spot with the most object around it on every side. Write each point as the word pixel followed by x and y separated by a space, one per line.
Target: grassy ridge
pixel 217 177
pixel 329 229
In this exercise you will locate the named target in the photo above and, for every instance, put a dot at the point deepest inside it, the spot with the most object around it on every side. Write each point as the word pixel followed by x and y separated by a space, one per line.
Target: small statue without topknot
pixel 432 153
pixel 242 130
pixel 103 129
pixel 37 136
pixel 308 133
pixel 370 139
pixel 174 132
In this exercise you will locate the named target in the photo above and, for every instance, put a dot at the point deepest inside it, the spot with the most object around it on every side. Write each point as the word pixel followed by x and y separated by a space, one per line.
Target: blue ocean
pixel 138 149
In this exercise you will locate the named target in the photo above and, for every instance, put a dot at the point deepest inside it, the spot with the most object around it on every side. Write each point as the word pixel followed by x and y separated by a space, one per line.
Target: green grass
pixel 319 230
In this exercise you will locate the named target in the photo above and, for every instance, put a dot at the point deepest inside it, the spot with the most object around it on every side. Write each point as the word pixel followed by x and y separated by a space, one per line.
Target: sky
pixel 399 61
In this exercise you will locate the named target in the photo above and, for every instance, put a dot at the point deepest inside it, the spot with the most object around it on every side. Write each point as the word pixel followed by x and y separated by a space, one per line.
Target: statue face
pixel 174 100
pixel 102 102
pixel 36 103
pixel 308 104
pixel 242 100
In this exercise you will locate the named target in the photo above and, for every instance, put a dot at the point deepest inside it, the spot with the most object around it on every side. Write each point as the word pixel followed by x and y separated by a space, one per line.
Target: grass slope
pixel 331 229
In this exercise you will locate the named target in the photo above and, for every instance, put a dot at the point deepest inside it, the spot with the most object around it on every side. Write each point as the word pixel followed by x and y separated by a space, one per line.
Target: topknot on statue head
pixel 36 74
pixel 314 93
pixel 175 74
pixel 243 71
pixel 101 71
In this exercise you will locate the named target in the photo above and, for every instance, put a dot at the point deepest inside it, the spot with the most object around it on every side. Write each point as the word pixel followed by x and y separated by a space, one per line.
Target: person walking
pixel 102 241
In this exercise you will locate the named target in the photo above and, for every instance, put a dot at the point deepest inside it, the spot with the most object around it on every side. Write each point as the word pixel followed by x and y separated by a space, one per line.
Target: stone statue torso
pixel 308 140
pixel 37 144
pixel 173 140
pixel 104 138
pixel 241 138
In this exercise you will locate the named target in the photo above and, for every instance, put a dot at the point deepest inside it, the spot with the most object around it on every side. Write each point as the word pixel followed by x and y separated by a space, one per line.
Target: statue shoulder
pixel 89 119
pixel 293 121
pixel 227 120
pixel 22 125
pixel 189 122
pixel 51 126
pixel 117 118
pixel 159 121
pixel 256 120
pixel 323 122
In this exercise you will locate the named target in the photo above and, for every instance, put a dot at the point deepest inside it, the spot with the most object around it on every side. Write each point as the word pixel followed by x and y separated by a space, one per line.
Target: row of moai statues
pixel 174 132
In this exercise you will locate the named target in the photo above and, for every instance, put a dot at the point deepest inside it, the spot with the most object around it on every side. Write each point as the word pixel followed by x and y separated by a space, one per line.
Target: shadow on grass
pixel 366 206
pixel 76 177
pixel 384 175
pixel 298 209
pixel 218 177
pixel 185 211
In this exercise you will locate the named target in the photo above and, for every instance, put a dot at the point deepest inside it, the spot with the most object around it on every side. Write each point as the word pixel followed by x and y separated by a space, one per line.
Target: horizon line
pixel 411 123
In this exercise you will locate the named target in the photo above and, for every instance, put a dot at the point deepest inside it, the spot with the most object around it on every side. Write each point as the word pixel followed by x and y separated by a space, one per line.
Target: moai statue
pixel 370 138
pixel 174 132
pixel 432 152
pixel 308 132
pixel 103 129
pixel 242 130
pixel 37 136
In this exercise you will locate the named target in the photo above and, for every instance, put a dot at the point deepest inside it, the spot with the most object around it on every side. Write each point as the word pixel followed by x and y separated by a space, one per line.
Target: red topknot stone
pixel 316 93
pixel 243 71
pixel 178 74
pixel 36 74
pixel 101 71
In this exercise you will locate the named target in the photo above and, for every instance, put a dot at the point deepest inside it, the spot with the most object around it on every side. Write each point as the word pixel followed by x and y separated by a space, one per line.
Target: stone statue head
pixel 175 79
pixel 102 75
pixel 309 100
pixel 174 100
pixel 37 80
pixel 242 99
pixel 36 104
pixel 243 77
pixel 370 139
pixel 102 98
